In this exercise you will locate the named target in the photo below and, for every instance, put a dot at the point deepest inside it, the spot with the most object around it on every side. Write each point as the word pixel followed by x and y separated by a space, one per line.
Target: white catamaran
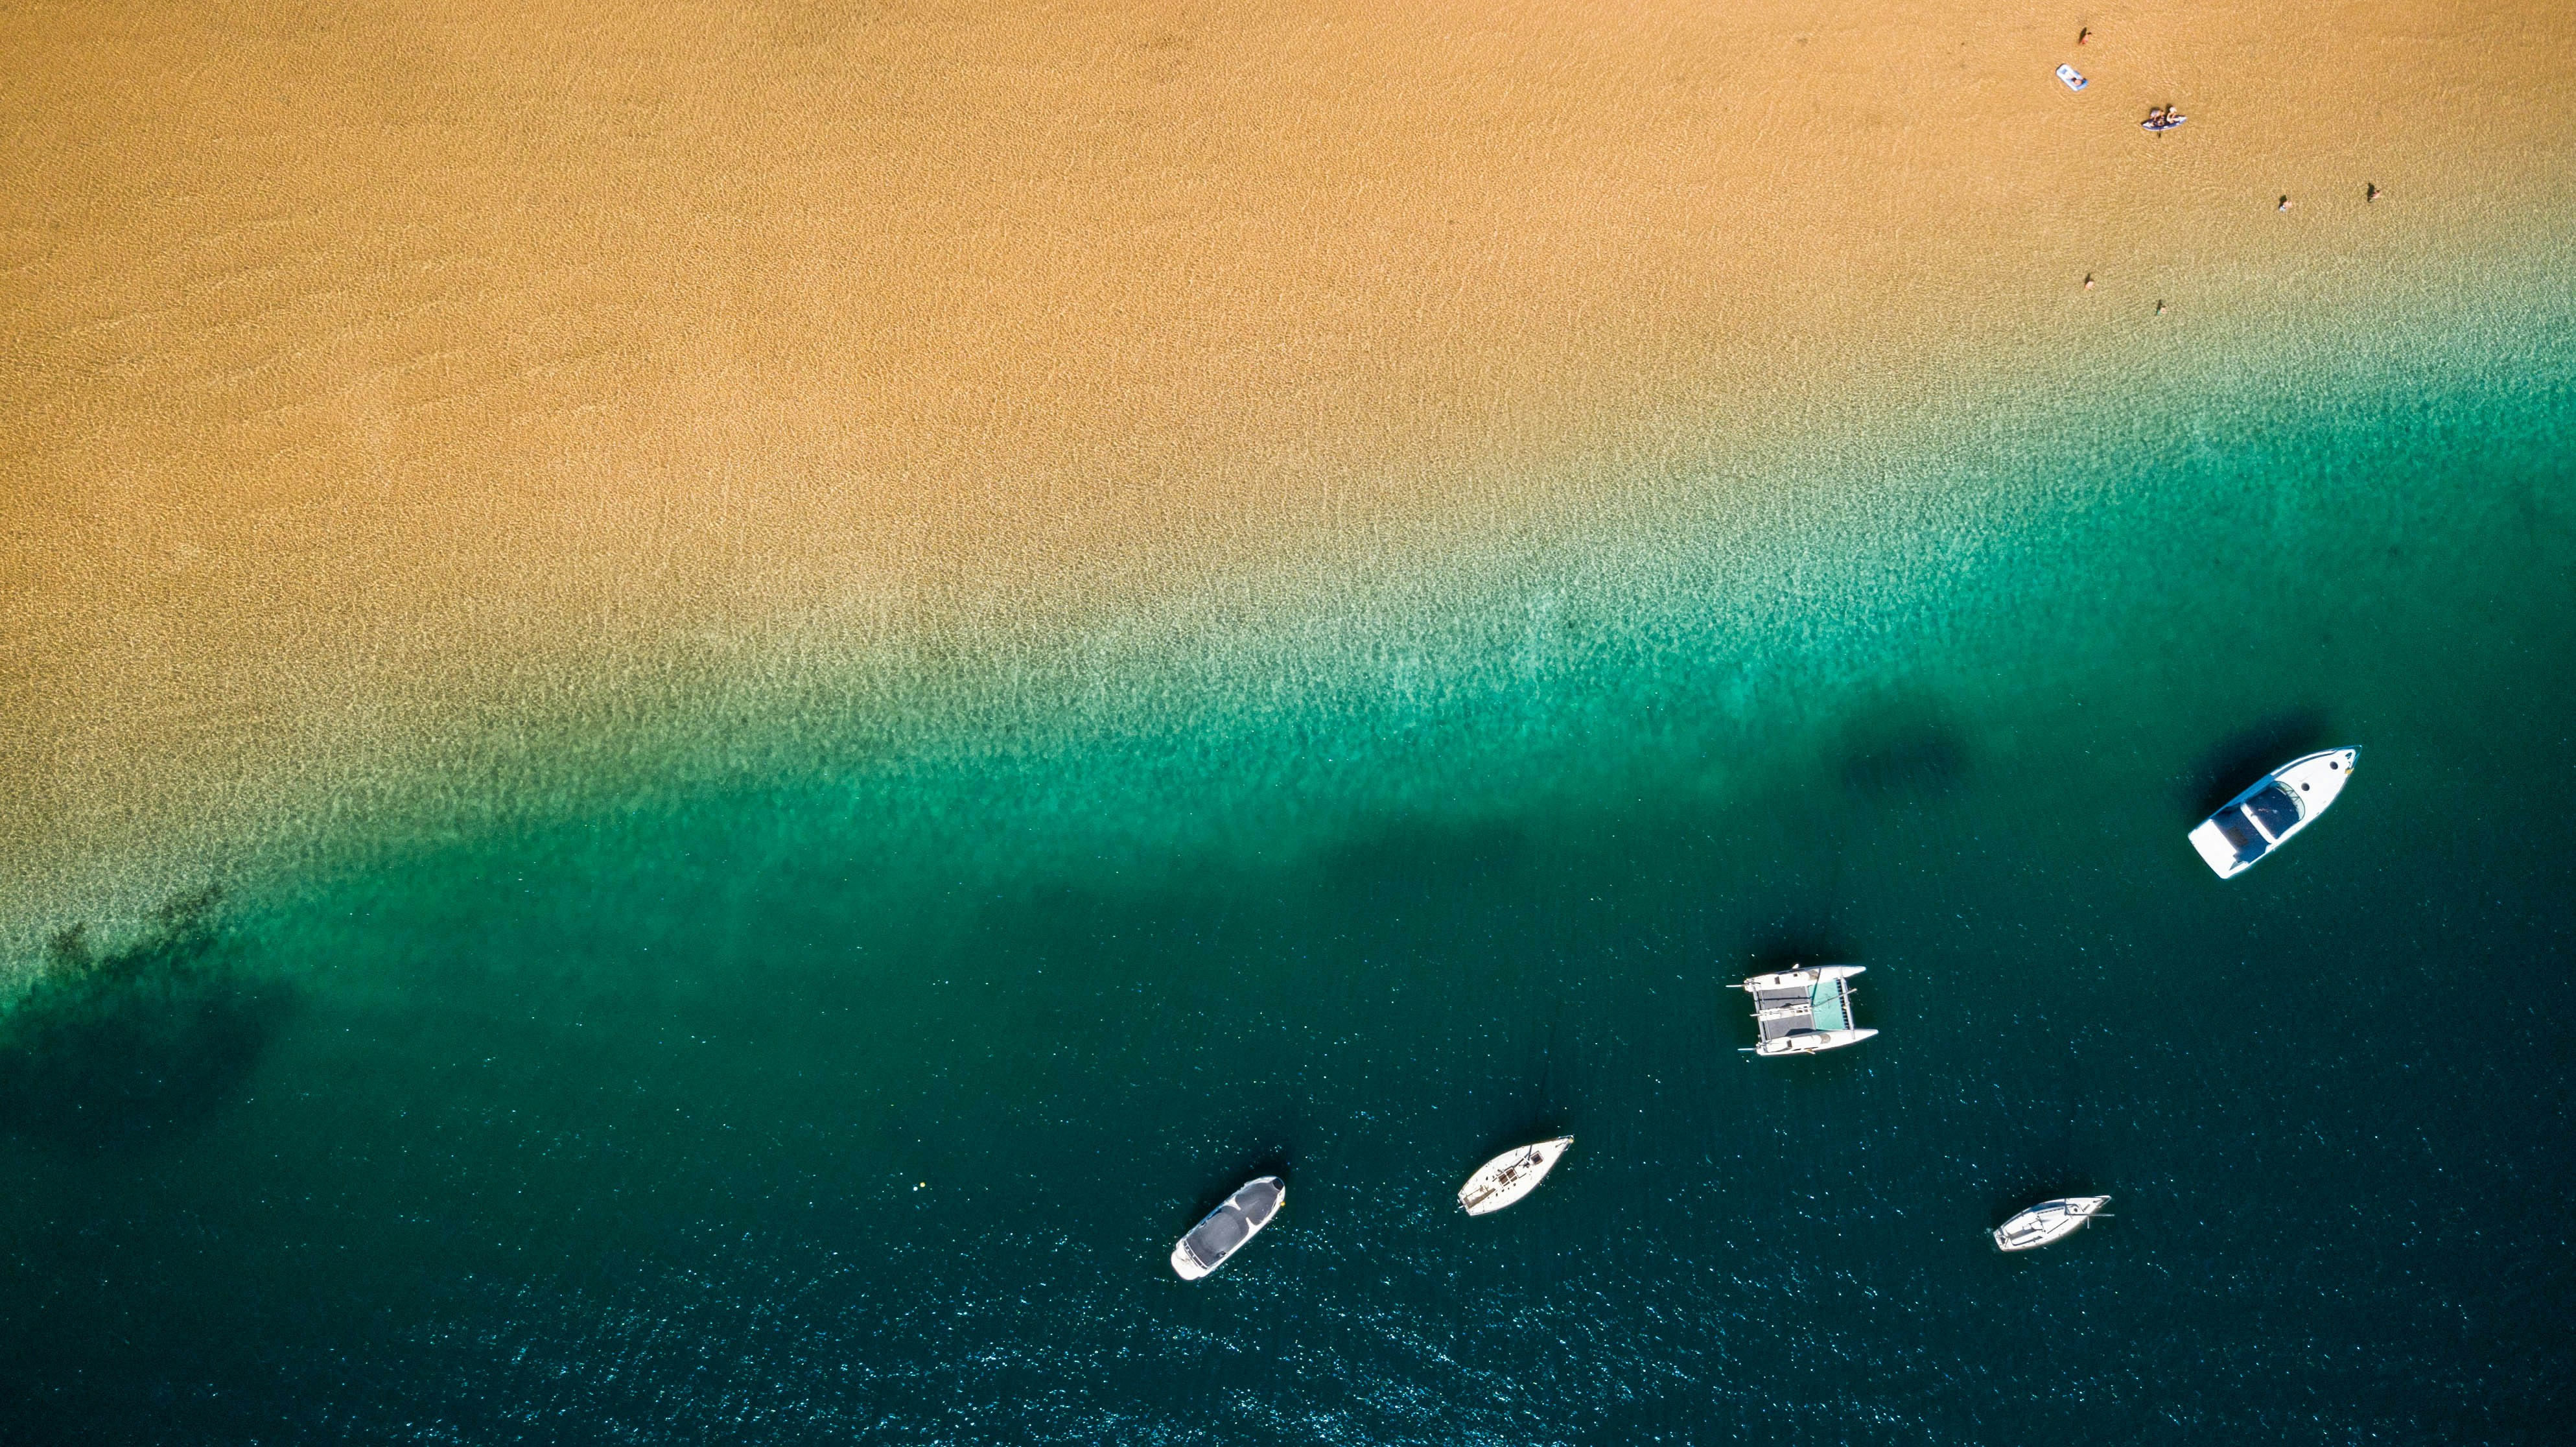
pixel 1508 1177
pixel 1800 1012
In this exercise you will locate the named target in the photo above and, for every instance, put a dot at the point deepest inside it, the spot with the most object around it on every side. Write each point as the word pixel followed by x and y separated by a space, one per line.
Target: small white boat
pixel 2047 1221
pixel 2074 78
pixel 1800 1012
pixel 1508 1177
pixel 1214 1240
pixel 2279 805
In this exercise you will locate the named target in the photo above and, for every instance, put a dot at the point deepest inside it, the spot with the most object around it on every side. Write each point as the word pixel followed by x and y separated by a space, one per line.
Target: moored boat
pixel 2047 1221
pixel 2266 816
pixel 1221 1233
pixel 1508 1177
pixel 1799 1012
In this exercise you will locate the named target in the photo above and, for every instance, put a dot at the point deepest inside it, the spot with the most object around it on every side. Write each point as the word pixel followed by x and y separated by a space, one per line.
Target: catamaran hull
pixel 1792 979
pixel 1808 1042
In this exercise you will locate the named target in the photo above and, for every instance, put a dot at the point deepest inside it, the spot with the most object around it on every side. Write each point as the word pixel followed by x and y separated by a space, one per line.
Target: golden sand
pixel 385 380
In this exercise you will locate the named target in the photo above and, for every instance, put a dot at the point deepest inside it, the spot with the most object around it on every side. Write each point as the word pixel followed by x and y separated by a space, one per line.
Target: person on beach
pixel 2372 194
pixel 2284 206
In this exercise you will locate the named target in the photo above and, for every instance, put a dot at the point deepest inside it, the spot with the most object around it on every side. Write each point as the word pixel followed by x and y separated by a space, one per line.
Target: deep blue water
pixel 862 1101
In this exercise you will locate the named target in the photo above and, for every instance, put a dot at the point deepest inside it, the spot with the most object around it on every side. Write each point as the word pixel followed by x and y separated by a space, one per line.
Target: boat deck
pixel 1227 1227
pixel 1825 1005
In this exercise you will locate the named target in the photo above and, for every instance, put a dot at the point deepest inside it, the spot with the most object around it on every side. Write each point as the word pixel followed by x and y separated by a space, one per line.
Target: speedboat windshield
pixel 2239 834
pixel 2275 807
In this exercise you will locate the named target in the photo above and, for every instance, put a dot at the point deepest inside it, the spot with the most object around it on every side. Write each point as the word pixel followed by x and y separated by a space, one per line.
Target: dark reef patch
pixel 1893 755
pixel 143 1043
pixel 1409 857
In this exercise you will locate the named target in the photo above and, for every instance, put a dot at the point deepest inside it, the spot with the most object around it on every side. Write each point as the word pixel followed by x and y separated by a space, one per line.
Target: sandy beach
pixel 383 383
pixel 707 710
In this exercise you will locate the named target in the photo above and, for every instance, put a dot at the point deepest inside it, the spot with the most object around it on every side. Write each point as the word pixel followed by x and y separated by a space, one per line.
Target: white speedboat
pixel 1214 1240
pixel 1800 1012
pixel 1508 1177
pixel 2280 804
pixel 2047 1221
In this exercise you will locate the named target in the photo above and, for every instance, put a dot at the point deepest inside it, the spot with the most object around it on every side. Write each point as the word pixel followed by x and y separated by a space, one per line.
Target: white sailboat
pixel 1508 1177
pixel 2047 1221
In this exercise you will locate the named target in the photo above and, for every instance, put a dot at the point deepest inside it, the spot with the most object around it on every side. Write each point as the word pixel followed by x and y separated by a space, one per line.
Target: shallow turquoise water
pixel 862 1098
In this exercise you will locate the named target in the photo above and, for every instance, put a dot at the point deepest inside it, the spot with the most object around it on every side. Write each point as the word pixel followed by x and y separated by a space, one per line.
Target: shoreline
pixel 1211 673
pixel 624 374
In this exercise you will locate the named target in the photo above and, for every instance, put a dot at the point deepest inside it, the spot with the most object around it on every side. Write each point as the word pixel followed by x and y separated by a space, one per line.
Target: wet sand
pixel 389 390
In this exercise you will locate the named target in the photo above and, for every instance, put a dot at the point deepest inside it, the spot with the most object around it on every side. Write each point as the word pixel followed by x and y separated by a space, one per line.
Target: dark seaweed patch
pixel 1920 755
pixel 143 1043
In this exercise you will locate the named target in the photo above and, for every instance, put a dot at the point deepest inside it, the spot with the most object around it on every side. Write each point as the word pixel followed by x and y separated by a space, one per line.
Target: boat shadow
pixel 2227 767
pixel 2037 1186
pixel 1530 1131
pixel 1247 1167
pixel 1790 944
